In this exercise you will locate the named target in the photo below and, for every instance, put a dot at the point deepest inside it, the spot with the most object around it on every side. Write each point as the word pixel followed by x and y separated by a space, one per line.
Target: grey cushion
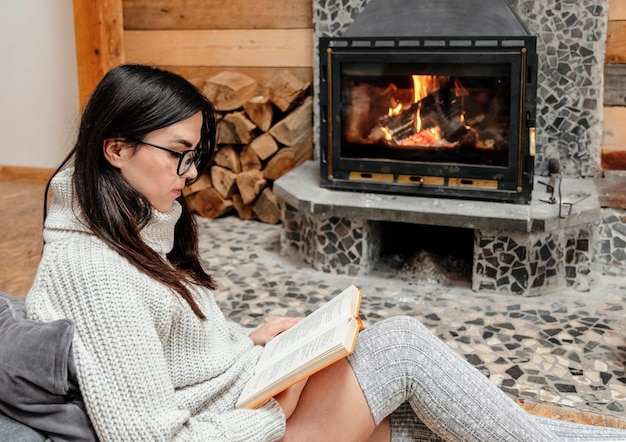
pixel 38 385
pixel 12 430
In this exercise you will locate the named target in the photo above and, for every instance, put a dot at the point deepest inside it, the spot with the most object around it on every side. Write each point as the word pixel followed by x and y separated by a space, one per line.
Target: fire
pixel 387 134
pixel 426 121
pixel 395 110
pixel 423 85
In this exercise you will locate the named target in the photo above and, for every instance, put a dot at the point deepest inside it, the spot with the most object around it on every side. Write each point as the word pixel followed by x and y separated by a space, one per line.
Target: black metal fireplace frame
pixel 512 183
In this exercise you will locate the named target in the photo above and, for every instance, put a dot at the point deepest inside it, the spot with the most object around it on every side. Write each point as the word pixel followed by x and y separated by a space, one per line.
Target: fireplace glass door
pixel 443 113
pixel 428 121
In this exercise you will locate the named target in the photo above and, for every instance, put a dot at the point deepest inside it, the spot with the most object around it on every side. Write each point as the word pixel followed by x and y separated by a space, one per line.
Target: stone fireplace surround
pixel 525 250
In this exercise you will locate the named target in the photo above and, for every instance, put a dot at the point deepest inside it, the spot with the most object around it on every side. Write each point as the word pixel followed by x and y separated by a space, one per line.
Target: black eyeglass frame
pixel 195 159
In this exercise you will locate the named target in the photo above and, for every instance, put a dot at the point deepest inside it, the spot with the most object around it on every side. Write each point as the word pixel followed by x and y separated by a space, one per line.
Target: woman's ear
pixel 113 149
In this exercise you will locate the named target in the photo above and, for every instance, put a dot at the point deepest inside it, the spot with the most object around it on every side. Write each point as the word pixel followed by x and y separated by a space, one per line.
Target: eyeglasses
pixel 185 159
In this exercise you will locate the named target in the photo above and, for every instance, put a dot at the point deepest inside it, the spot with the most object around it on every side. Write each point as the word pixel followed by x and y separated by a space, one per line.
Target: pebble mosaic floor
pixel 566 350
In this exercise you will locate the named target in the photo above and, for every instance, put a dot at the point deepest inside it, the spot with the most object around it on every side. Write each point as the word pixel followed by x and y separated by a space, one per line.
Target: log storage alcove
pixel 263 132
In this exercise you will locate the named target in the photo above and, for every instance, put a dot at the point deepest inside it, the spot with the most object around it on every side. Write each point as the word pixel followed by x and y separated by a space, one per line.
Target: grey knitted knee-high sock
pixel 406 427
pixel 399 360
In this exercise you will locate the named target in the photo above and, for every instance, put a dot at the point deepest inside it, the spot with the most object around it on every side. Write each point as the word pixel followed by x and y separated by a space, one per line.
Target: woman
pixel 156 359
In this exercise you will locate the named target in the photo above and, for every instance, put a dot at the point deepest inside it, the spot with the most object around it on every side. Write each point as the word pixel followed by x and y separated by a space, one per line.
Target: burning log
pixel 363 106
pixel 439 109
pixel 400 127
pixel 442 109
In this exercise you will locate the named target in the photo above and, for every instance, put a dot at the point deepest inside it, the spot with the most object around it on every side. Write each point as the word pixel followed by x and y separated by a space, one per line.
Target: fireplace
pixel 529 246
pixel 430 98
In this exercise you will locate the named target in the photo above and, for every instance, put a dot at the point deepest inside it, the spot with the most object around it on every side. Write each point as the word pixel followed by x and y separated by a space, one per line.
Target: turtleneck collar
pixel 66 217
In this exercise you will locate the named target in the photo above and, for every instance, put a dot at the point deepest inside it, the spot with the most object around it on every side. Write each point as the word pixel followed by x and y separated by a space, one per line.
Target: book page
pixel 336 309
pixel 297 363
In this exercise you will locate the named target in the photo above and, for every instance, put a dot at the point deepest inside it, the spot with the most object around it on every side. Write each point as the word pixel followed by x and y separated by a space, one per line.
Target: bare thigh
pixel 332 407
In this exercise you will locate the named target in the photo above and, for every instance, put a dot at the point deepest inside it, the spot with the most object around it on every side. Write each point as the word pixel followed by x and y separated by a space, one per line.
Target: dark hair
pixel 129 102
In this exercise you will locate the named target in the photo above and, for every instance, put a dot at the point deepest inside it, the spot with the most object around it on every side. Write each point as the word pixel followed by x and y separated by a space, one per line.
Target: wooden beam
pixel 616 42
pixel 615 85
pixel 617 10
pixel 217 14
pixel 614 130
pixel 225 48
pixel 99 32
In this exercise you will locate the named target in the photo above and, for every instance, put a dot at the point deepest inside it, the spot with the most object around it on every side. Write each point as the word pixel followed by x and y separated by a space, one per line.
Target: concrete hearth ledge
pixel 301 189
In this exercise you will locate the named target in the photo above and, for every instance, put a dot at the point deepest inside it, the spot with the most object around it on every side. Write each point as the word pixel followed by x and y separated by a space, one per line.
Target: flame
pixel 387 134
pixel 459 89
pixel 418 120
pixel 395 110
pixel 423 85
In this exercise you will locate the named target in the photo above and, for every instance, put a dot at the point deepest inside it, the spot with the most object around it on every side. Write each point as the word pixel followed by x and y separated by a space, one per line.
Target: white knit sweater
pixel 148 368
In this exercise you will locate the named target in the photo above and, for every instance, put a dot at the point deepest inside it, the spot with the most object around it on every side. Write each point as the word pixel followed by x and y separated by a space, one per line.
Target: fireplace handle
pixel 532 139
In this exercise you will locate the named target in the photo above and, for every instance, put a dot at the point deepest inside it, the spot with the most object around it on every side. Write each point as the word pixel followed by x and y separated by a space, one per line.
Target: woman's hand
pixel 271 329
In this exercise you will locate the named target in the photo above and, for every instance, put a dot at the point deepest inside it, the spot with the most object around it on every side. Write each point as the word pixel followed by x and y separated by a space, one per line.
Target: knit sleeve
pixel 124 366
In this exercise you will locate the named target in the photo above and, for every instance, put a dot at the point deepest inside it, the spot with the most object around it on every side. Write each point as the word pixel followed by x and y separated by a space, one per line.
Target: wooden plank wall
pixel 98 30
pixel 614 141
pixel 200 38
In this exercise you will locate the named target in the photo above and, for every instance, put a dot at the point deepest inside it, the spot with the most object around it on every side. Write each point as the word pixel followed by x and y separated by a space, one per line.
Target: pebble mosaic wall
pixel 526 264
pixel 533 264
pixel 571 41
pixel 610 243
pixel 329 244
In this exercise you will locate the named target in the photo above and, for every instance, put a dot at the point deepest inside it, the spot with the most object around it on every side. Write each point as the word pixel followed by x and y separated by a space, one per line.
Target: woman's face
pixel 152 171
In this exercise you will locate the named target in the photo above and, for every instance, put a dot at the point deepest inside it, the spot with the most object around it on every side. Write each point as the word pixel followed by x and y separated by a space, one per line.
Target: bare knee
pixel 331 407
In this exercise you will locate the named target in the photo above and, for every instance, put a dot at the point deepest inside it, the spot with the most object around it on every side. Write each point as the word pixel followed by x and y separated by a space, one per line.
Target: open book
pixel 322 338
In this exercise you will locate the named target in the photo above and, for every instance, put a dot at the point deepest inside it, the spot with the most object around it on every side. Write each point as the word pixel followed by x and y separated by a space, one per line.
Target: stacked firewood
pixel 263 132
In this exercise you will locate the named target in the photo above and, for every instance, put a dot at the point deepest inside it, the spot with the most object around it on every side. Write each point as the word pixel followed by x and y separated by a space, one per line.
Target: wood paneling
pixel 251 48
pixel 610 188
pixel 217 14
pixel 614 138
pixel 615 85
pixel 617 10
pixel 98 27
pixel 616 42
